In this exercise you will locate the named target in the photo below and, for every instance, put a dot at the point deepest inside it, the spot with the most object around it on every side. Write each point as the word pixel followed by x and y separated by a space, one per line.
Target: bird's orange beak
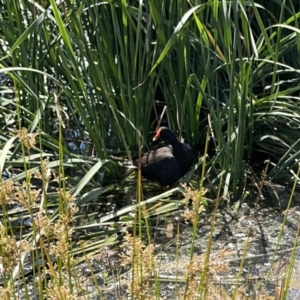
pixel 157 135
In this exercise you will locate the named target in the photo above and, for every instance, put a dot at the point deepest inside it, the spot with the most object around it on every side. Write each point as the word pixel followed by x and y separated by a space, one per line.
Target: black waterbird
pixel 166 164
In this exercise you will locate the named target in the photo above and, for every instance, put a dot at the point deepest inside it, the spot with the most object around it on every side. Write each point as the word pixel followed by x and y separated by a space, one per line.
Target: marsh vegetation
pixel 83 87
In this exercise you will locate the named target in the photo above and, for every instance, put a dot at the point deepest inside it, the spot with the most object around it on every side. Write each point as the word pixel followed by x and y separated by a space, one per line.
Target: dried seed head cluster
pixel 143 263
pixel 11 193
pixel 11 250
pixel 62 230
pixel 61 249
pixel 193 273
pixel 243 295
pixel 6 293
pixel 7 191
pixel 197 203
pixel 218 266
pixel 66 196
pixel 26 197
pixel 109 259
pixel 194 269
pixel 43 223
pixel 27 139
pixel 64 292
pixel 45 176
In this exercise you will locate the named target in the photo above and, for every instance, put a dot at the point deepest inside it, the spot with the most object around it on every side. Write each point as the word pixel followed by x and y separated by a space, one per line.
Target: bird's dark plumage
pixel 167 164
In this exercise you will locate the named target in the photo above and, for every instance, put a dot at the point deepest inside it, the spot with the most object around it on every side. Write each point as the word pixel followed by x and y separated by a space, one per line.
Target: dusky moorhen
pixel 167 164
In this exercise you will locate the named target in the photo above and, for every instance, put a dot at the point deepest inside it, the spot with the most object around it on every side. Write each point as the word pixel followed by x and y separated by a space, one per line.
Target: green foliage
pixel 101 64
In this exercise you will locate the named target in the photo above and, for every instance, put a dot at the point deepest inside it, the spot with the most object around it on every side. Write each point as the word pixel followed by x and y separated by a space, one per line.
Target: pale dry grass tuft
pixel 42 223
pixel 28 139
pixel 11 193
pixel 55 291
pixel 142 260
pixel 55 234
pixel 7 191
pixel 194 270
pixel 6 292
pixel 11 251
pixel 197 203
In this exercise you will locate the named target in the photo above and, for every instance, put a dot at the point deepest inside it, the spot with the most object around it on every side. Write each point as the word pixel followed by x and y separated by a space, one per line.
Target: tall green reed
pixel 108 63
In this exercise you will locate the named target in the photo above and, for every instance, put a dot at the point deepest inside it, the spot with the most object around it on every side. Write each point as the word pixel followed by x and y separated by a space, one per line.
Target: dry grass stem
pixel 142 260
